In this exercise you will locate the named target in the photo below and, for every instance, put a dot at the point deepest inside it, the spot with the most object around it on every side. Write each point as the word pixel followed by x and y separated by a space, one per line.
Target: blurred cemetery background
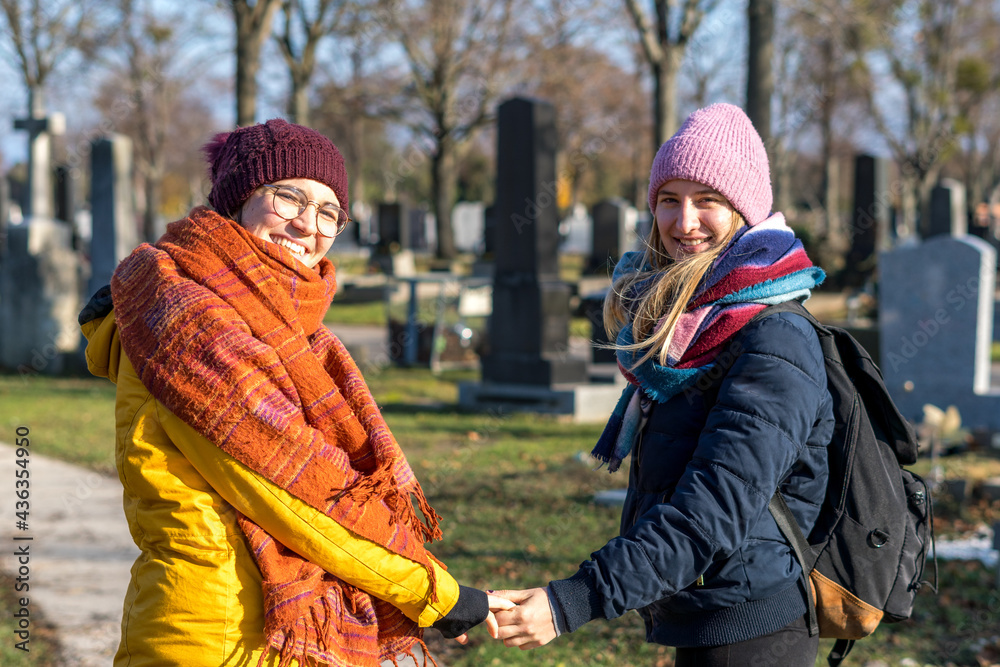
pixel 498 152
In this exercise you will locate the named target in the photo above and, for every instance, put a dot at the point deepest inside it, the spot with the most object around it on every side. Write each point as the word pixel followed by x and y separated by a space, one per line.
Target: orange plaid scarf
pixel 225 329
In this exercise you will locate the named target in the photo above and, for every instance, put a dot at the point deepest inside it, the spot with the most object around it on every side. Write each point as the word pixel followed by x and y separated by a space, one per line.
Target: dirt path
pixel 80 553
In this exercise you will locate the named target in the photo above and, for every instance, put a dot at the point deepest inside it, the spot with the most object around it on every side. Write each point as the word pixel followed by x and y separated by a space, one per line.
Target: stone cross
pixel 38 197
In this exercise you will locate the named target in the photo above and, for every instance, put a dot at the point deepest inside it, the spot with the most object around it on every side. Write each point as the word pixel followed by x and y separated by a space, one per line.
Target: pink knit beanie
pixel 248 157
pixel 719 147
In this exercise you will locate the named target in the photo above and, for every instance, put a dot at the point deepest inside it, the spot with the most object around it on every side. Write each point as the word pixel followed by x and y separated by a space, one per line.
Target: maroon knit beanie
pixel 248 157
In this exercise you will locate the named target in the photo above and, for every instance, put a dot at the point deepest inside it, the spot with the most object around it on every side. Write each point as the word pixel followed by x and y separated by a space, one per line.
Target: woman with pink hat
pixel 721 409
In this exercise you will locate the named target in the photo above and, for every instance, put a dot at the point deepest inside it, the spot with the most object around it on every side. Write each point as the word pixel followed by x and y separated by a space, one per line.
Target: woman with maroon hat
pixel 271 504
pixel 721 409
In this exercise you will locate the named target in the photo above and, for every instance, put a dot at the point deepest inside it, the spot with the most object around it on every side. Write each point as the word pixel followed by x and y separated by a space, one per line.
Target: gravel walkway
pixel 79 555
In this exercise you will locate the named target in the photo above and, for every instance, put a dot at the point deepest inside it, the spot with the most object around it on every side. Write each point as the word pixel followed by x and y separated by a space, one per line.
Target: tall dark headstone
pixel 870 217
pixel 947 210
pixel 114 230
pixel 490 230
pixel 529 329
pixel 417 230
pixel 65 195
pixel 609 237
pixel 393 226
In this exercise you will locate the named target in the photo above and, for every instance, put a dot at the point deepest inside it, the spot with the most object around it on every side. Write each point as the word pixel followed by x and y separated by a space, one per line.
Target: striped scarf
pixel 226 330
pixel 763 265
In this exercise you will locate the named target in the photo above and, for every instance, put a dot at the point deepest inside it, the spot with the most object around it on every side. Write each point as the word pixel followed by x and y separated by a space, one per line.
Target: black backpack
pixel 864 560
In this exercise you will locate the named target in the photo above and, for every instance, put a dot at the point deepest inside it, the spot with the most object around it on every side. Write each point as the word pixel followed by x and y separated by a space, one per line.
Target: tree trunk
pixel 253 23
pixel 760 79
pixel 443 194
pixel 665 104
pixel 246 81
pixel 150 217
pixel 298 99
pixel 831 200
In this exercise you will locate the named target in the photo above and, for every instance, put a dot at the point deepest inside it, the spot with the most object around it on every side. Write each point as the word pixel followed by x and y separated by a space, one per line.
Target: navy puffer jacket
pixel 699 554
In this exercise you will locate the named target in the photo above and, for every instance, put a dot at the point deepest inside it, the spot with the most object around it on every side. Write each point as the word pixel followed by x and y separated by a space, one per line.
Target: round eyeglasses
pixel 289 203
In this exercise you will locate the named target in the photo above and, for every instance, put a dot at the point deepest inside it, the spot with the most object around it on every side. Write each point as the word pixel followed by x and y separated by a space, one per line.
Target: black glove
pixel 472 608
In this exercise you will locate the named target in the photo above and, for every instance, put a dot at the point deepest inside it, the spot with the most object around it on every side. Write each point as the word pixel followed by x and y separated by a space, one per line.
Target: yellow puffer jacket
pixel 195 594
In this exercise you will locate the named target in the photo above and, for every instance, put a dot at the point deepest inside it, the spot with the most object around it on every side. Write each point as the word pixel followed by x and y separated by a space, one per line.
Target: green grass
pixel 514 492
pixel 368 313
pixel 70 419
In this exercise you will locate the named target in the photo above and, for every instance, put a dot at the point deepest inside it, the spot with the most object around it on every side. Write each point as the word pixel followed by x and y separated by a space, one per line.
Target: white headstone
pixel 468 221
pixel 577 232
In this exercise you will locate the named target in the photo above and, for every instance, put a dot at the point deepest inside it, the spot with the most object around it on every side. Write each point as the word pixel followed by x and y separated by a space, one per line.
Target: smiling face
pixel 298 235
pixel 691 218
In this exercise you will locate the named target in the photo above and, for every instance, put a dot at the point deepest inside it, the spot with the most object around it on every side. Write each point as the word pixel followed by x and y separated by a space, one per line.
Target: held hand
pixel 530 624
pixel 496 604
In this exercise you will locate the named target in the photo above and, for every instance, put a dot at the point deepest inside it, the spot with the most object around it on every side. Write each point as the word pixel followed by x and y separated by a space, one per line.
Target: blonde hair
pixel 656 311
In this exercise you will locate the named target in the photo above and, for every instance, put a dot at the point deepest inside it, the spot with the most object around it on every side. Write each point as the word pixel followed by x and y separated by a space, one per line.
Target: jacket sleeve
pixel 299 526
pixel 766 408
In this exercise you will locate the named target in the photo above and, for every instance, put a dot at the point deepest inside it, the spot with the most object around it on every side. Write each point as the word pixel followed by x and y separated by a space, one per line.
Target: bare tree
pixel 664 43
pixel 42 33
pixel 301 32
pixel 760 76
pixel 147 95
pixel 348 111
pixel 978 97
pixel 456 53
pixel 598 114
pixel 920 42
pixel 253 25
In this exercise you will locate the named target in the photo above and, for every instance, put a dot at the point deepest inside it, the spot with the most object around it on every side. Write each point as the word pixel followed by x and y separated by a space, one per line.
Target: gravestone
pixel 37 201
pixel 66 200
pixel 870 219
pixel 610 235
pixel 39 270
pixel 391 253
pixel 936 317
pixel 114 231
pixel 39 298
pixel 468 223
pixel 947 210
pixel 643 229
pixel 490 230
pixel 418 230
pixel 529 329
pixel 576 232
pixel 393 226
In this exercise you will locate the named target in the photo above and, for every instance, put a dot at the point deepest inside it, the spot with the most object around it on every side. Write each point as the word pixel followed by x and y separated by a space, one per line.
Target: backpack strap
pixel 790 529
pixel 783 516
